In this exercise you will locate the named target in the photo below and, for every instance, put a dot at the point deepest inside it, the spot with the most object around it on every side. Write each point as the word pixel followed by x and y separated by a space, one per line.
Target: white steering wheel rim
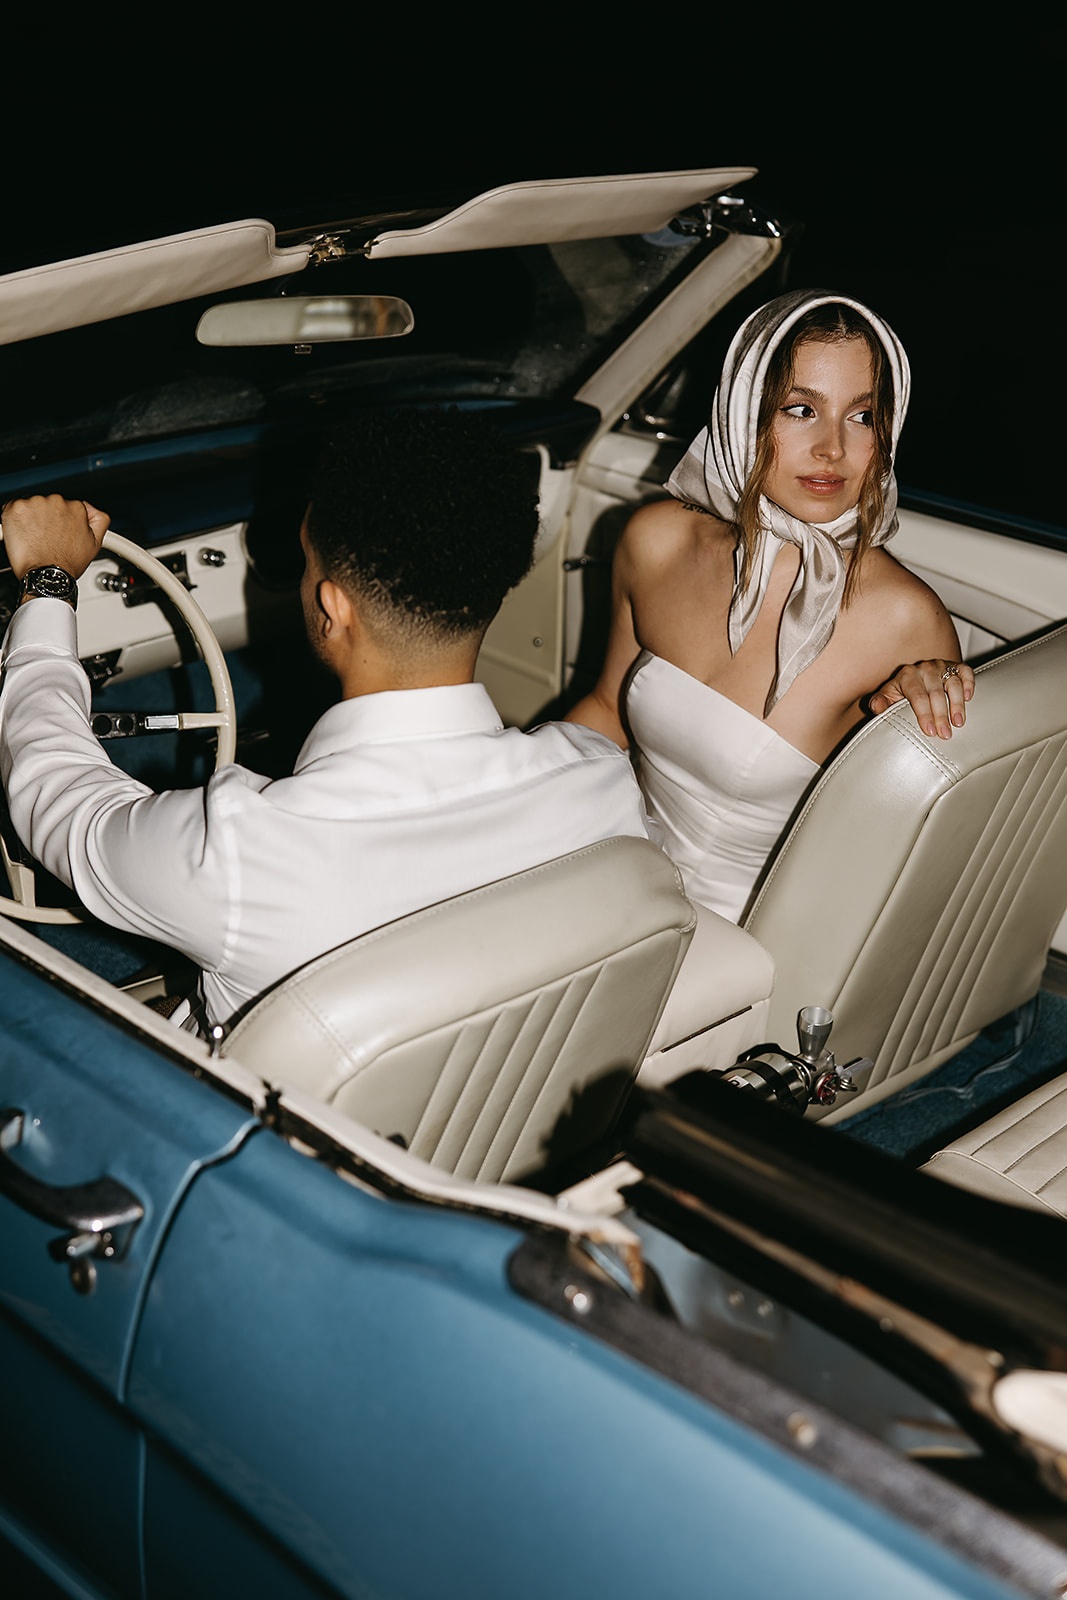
pixel 224 717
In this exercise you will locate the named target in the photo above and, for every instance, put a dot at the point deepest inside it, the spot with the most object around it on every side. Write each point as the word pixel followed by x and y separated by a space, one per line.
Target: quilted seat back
pixel 918 891
pixel 493 1032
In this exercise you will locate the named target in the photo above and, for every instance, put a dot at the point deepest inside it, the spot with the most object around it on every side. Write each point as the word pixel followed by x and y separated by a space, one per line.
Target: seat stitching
pixel 1021 1187
pixel 538 1005
pixel 1031 1150
pixel 1039 809
pixel 945 768
pixel 914 736
pixel 1011 1127
pixel 906 1031
pixel 1028 818
pixel 895 717
pixel 1020 650
pixel 1029 794
pixel 463 1026
pixel 599 978
pixel 545 1067
pixel 1035 1188
pixel 437 1090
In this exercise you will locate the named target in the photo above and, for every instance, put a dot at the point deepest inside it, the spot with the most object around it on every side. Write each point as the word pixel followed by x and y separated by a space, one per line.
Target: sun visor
pixel 137 277
pixel 184 266
pixel 552 210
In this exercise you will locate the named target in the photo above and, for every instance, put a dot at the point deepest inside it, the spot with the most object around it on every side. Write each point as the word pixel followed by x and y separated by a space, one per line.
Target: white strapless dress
pixel 719 781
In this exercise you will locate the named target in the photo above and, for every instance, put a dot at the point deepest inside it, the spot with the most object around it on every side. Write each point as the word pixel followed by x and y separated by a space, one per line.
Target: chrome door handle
pixel 95 1218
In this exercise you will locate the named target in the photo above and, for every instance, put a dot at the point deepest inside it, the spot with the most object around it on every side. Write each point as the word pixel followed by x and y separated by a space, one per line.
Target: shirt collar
pixel 400 714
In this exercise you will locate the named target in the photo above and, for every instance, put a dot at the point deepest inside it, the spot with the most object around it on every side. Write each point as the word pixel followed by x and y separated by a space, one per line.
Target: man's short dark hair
pixel 431 515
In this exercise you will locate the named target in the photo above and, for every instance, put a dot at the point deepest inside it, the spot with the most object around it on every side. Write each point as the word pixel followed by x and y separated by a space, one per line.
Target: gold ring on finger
pixel 950 672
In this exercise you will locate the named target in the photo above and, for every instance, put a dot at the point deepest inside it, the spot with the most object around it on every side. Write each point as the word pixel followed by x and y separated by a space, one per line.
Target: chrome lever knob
pixel 813 1030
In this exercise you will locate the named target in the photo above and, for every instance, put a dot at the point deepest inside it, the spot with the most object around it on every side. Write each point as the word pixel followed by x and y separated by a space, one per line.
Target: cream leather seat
pixel 918 891
pixel 1019 1155
pixel 491 1032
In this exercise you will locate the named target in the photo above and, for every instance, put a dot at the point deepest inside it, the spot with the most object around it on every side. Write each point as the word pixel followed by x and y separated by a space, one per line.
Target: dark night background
pixel 927 171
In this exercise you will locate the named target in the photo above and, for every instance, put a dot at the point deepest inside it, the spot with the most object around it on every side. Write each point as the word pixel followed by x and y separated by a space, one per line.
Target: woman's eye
pixel 864 418
pixel 799 409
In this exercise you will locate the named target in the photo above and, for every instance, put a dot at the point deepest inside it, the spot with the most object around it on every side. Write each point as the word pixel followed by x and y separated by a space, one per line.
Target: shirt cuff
pixel 42 623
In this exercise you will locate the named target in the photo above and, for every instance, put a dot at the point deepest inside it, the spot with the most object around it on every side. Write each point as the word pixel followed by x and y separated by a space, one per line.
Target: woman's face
pixel 823 435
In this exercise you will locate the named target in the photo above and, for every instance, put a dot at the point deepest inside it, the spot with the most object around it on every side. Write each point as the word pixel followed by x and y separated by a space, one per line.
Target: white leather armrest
pixel 718 1005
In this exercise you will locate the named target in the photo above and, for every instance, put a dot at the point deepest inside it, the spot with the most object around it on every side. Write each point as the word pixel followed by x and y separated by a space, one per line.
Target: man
pixel 406 792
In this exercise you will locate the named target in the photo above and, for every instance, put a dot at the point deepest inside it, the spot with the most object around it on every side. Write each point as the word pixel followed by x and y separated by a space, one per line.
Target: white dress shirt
pixel 397 800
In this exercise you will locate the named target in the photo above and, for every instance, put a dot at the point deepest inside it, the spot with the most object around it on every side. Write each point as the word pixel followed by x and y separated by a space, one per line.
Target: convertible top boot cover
pixel 494 1033
pixel 918 891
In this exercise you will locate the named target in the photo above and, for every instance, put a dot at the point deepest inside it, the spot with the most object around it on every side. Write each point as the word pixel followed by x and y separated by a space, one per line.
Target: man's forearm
pixel 135 859
pixel 50 762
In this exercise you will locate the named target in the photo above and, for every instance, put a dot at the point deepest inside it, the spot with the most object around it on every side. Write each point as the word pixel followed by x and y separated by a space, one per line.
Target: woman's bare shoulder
pixel 885 577
pixel 904 604
pixel 667 534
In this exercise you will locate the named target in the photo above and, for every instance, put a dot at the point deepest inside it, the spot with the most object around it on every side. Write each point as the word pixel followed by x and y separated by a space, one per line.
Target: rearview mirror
pixel 306 319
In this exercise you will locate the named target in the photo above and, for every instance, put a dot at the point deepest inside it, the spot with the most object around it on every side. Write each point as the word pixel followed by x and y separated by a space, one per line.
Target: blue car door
pixel 103 1126
pixel 350 1393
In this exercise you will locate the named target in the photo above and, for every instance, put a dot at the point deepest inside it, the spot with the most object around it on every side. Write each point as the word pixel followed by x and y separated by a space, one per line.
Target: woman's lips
pixel 821 485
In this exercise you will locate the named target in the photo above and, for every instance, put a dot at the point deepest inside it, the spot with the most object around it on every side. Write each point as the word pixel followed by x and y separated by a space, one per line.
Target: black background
pixel 925 161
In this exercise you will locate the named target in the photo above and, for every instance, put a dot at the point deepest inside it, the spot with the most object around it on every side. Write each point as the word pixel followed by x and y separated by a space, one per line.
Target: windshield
pixel 507 324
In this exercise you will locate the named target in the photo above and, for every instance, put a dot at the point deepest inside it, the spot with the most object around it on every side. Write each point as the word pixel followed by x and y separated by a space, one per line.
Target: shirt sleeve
pixel 135 859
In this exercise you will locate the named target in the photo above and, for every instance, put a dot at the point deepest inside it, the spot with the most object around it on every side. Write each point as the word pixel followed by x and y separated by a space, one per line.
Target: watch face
pixel 51 582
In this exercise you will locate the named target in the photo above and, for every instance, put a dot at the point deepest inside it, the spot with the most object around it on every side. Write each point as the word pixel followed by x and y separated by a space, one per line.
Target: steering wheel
pixel 22 903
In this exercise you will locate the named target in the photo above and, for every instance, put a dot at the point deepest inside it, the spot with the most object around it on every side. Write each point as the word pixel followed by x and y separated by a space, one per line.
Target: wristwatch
pixel 51 582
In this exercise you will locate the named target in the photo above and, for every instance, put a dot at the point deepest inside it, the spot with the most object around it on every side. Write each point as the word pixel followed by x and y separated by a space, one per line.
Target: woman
pixel 757 613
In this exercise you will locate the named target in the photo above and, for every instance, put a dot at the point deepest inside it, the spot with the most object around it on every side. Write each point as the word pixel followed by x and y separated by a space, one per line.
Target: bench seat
pixel 1019 1155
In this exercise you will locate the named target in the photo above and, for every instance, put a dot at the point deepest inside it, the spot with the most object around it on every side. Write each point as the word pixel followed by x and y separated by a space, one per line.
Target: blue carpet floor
pixel 991 1073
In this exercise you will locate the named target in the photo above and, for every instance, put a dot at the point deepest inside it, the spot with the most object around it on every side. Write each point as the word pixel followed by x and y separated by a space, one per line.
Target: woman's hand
pixel 937 692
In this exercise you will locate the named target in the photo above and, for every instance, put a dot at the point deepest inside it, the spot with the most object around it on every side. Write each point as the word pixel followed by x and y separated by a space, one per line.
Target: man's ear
pixel 337 610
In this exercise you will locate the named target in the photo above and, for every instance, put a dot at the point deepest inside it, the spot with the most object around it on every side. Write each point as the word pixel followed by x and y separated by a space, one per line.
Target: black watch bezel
pixel 51 583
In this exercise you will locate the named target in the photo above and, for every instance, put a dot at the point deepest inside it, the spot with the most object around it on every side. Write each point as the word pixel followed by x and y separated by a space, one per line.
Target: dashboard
pixel 124 624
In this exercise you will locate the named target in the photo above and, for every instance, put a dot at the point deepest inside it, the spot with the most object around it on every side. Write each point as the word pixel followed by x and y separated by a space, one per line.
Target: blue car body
pixel 293 1385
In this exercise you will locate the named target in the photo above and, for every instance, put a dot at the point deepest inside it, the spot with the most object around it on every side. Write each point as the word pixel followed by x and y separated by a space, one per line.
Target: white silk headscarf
pixel 713 473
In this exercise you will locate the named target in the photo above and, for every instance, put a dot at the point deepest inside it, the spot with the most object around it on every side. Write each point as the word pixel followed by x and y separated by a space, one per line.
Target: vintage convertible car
pixel 272 1327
